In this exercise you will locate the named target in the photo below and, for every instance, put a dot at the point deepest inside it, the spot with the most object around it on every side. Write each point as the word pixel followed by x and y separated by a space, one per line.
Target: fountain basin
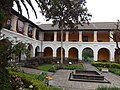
pixel 87 76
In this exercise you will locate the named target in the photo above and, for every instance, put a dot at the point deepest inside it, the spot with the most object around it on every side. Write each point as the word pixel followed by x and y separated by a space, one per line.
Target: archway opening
pixel 30 48
pixel 59 53
pixel 73 53
pixel 87 54
pixel 37 49
pixel 103 55
pixel 48 52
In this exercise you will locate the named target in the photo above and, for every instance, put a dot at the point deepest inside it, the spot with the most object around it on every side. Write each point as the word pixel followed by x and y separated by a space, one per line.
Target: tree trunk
pixel 61 28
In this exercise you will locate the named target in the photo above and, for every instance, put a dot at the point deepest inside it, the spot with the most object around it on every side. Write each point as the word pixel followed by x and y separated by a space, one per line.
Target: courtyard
pixel 60 79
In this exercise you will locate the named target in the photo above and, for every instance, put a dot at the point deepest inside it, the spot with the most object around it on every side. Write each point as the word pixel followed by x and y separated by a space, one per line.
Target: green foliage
pixel 7 49
pixel 42 76
pixel 113 67
pixel 2 16
pixel 87 54
pixel 108 88
pixel 72 67
pixel 65 12
pixel 20 48
pixel 53 68
pixel 4 79
pixel 45 67
pixel 115 71
pixel 38 85
pixel 106 64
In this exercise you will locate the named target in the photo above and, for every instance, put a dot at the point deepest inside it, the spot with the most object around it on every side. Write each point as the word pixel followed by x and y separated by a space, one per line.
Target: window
pixel 20 26
pixel 85 38
pixel 30 29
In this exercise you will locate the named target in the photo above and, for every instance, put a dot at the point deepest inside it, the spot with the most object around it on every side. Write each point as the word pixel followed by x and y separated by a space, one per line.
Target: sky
pixel 101 10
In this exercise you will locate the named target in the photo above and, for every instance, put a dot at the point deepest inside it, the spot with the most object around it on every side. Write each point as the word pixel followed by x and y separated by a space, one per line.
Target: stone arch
pixel 103 55
pixel 58 54
pixel 87 54
pixel 37 51
pixel 48 52
pixel 30 48
pixel 73 53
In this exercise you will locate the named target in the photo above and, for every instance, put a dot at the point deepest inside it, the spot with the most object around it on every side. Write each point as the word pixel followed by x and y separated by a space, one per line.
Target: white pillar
pixel 54 53
pixel 55 36
pixel 67 36
pixel 95 36
pixel 80 54
pixel 80 36
pixel 66 53
pixel 33 53
pixel 26 28
pixel 95 55
pixel 13 22
pixel 111 36
pixel 34 33
pixel 112 55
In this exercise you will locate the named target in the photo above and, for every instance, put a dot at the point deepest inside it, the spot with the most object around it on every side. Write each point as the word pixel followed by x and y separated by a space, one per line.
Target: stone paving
pixel 60 79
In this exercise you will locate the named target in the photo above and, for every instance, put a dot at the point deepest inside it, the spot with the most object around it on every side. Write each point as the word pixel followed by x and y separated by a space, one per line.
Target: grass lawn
pixel 45 67
pixel 50 67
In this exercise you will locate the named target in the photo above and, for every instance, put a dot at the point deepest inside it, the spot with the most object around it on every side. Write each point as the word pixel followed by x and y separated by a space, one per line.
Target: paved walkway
pixel 60 79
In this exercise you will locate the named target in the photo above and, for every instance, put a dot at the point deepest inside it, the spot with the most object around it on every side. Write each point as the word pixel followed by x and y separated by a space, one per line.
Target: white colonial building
pixel 45 40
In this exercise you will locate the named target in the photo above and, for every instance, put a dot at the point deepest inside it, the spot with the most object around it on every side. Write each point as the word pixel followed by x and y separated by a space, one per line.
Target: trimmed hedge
pixel 106 64
pixel 38 85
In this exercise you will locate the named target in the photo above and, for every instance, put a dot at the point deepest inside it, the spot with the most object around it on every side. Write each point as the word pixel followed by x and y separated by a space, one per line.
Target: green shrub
pixel 115 71
pixel 72 67
pixel 106 64
pixel 38 85
pixel 53 69
pixel 42 76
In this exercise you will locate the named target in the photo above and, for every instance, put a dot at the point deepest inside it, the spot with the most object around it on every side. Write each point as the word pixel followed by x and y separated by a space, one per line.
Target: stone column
pixel 67 37
pixel 66 53
pixel 95 36
pixel 111 36
pixel 33 53
pixel 55 36
pixel 26 28
pixel 112 55
pixel 80 36
pixel 34 33
pixel 13 22
pixel 80 54
pixel 95 55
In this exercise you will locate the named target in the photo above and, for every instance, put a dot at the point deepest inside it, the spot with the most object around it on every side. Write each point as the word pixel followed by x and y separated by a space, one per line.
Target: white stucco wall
pixel 95 46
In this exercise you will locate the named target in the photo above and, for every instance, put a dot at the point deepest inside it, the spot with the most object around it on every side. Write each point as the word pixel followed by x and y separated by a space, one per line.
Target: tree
pixel 6 8
pixel 67 14
pixel 7 49
pixel 116 39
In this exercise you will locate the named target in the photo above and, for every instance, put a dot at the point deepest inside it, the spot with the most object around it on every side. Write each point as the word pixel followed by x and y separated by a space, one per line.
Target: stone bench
pixel 106 70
